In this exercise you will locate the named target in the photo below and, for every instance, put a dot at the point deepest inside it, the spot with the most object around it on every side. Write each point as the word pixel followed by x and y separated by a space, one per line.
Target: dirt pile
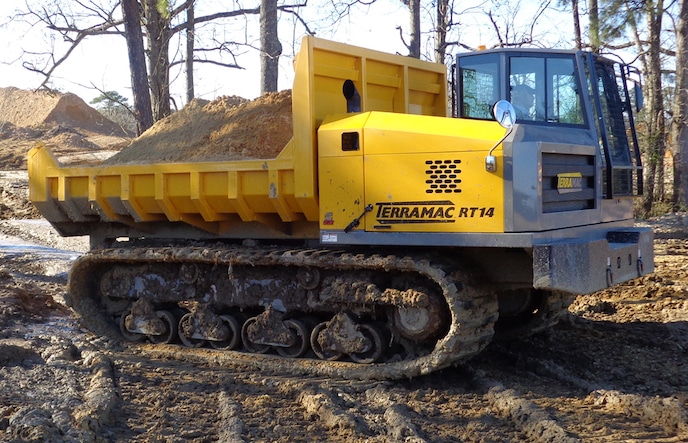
pixel 228 128
pixel 74 131
pixel 48 108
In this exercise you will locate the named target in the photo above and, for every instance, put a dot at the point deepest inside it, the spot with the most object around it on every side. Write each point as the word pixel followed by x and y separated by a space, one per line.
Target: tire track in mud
pixel 537 399
pixel 530 395
pixel 230 426
pixel 260 407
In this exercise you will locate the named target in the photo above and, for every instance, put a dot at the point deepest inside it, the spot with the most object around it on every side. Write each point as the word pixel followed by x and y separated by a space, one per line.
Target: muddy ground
pixel 615 369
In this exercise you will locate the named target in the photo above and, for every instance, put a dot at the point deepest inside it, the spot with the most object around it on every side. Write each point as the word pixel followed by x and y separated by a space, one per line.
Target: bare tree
pixel 162 20
pixel 56 18
pixel 656 123
pixel 576 25
pixel 575 11
pixel 413 45
pixel 446 23
pixel 507 28
pixel 137 65
pixel 594 26
pixel 190 39
pixel 441 29
pixel 271 48
pixel 617 16
pixel 158 33
pixel 680 117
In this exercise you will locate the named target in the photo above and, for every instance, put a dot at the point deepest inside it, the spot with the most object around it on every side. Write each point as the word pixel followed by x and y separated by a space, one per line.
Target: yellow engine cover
pixel 415 173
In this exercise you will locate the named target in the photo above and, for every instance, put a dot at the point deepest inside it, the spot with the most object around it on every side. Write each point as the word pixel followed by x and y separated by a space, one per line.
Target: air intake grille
pixel 560 192
pixel 442 176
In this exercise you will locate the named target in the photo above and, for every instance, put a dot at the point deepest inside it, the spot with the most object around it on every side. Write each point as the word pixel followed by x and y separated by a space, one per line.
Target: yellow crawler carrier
pixel 394 235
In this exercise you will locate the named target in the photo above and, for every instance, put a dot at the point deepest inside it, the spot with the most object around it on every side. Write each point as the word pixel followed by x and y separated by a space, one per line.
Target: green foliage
pixel 164 8
pixel 658 209
pixel 110 100
pixel 616 16
pixel 115 107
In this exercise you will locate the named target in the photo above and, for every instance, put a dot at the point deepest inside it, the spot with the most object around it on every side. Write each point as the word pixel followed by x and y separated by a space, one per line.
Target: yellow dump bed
pixel 219 196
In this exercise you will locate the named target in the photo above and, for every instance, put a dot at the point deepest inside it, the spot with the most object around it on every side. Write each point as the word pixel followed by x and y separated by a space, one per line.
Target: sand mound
pixel 75 132
pixel 25 108
pixel 228 128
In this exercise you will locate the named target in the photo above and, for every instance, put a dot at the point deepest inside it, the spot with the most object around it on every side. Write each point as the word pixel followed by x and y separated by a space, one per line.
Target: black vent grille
pixel 557 197
pixel 442 176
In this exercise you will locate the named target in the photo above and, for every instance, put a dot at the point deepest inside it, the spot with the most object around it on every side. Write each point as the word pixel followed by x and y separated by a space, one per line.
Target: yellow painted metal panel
pixel 342 190
pixel 408 196
pixel 77 187
pixel 330 134
pixel 138 196
pixel 52 186
pixel 386 133
pixel 105 194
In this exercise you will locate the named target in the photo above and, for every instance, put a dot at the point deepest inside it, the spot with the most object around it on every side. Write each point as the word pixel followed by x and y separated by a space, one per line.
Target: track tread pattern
pixel 473 311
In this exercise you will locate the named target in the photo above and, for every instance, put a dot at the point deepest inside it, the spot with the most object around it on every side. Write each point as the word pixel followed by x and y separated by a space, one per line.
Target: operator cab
pixel 556 94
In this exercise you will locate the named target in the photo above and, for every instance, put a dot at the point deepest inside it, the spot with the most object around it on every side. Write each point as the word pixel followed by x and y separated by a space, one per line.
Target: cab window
pixel 479 85
pixel 543 89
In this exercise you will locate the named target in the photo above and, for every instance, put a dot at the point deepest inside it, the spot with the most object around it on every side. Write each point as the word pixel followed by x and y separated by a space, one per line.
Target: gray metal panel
pixel 523 179
pixel 582 266
pixel 499 240
pixel 616 208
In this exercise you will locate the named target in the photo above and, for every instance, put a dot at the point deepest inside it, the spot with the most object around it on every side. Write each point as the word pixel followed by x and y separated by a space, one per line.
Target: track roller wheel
pixel 377 344
pixel 170 328
pixel 255 348
pixel 133 337
pixel 322 354
pixel 308 278
pixel 234 339
pixel 187 327
pixel 301 338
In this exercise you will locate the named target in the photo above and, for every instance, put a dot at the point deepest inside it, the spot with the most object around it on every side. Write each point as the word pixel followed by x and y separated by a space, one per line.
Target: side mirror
pixel 505 114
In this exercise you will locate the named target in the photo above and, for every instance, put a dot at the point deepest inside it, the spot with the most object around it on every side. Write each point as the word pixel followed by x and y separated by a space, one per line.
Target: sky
pixel 100 63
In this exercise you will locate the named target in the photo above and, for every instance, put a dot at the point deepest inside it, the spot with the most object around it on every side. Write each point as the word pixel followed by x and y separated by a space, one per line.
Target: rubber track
pixel 473 312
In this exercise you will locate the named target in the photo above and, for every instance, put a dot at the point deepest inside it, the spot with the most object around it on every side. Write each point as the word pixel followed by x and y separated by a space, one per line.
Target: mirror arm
pixel 491 160
pixel 504 112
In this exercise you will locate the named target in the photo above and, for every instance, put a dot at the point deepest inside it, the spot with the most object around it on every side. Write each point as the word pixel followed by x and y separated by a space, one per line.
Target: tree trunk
pixel 594 27
pixel 271 48
pixel 190 31
pixel 576 25
pixel 414 43
pixel 656 125
pixel 680 120
pixel 137 65
pixel 441 33
pixel 158 31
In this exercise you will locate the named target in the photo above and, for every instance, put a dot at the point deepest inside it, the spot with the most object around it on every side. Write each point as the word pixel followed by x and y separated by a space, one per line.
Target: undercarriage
pixel 355 315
